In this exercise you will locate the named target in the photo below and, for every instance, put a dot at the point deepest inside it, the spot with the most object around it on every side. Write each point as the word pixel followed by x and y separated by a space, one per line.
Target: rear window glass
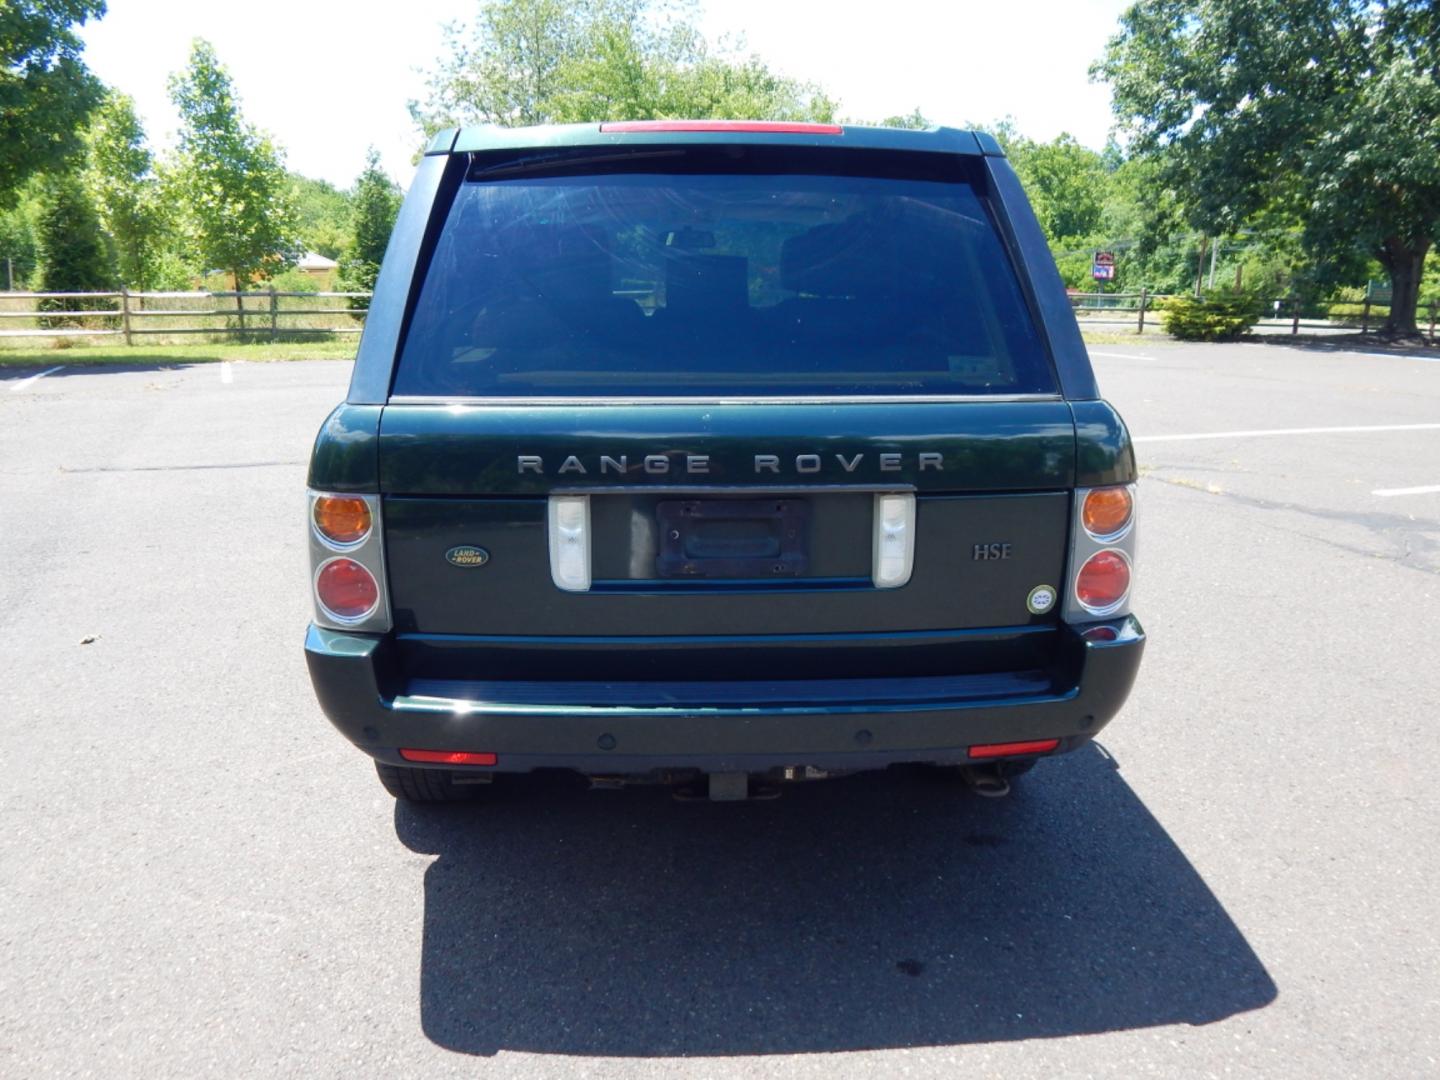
pixel 635 283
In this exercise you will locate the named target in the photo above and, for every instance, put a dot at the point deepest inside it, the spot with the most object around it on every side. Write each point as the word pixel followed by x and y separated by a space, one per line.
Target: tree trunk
pixel 1404 262
pixel 239 302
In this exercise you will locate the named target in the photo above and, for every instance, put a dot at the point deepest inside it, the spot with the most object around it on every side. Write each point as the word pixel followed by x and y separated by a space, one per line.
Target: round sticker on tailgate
pixel 467 555
pixel 1040 600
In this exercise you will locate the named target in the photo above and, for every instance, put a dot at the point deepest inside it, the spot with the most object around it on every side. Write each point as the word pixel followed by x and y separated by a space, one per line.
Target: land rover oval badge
pixel 467 555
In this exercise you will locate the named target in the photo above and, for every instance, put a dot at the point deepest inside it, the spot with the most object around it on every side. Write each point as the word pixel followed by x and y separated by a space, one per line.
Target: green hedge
pixel 1216 317
pixel 1347 312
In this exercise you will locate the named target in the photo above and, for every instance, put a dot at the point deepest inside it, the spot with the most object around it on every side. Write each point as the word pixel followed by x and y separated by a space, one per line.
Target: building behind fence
pixel 152 317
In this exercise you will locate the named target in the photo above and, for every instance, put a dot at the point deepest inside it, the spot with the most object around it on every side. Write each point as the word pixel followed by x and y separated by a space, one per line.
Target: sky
pixel 327 80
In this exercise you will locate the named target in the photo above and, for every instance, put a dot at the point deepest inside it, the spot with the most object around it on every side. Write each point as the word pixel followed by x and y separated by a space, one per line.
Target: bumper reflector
pixel 448 757
pixel 1008 749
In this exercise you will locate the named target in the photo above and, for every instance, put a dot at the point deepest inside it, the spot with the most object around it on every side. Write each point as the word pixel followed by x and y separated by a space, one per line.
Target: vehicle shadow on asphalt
pixel 885 910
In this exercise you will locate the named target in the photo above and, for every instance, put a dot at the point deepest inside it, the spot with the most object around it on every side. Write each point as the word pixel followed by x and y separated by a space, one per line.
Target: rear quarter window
pixel 697 273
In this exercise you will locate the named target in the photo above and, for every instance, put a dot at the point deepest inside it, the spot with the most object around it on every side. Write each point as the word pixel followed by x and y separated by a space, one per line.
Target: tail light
pixel 346 590
pixel 347 562
pixel 1102 554
pixel 1103 582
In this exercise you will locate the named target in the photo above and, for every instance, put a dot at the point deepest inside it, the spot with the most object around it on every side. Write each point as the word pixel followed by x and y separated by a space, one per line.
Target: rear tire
pixel 424 785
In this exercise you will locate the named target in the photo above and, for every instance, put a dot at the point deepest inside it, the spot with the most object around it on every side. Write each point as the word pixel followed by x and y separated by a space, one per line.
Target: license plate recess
pixel 716 539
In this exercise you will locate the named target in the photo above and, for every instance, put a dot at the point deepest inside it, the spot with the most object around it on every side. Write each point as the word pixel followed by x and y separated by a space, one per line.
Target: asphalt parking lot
pixel 198 877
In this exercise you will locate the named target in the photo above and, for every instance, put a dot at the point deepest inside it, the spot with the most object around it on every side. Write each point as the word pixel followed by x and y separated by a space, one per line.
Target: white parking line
pixel 1429 489
pixel 227 374
pixel 1121 355
pixel 1258 433
pixel 34 378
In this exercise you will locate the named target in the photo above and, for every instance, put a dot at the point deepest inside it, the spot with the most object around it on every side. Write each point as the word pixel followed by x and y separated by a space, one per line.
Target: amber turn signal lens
pixel 342 519
pixel 1107 510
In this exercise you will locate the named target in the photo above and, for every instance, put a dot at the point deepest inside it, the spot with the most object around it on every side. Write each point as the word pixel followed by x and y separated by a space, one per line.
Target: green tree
pixel 120 177
pixel 46 91
pixel 230 178
pixel 322 214
pixel 19 246
pixel 552 61
pixel 914 120
pixel 375 203
pixel 1324 110
pixel 1066 183
pixel 73 253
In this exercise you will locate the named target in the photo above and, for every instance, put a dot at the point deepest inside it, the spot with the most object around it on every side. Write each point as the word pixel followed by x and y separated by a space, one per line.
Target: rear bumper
pixel 641 728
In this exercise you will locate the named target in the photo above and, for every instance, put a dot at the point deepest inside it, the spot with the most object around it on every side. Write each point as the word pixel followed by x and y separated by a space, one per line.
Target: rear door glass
pixel 667 283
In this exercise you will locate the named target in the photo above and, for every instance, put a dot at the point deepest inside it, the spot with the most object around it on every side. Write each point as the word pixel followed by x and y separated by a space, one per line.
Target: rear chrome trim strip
pixel 855 399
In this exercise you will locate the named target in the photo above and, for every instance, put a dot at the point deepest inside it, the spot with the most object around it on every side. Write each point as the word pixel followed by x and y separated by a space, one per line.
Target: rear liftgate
pixel 692 559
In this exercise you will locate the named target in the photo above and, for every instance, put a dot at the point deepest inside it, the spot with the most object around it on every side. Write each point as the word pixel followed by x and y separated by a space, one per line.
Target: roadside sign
pixel 1104 266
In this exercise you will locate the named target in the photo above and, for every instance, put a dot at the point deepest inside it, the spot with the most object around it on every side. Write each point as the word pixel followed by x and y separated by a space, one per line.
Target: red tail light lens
pixel 1103 581
pixel 346 589
pixel 341 519
pixel 1107 510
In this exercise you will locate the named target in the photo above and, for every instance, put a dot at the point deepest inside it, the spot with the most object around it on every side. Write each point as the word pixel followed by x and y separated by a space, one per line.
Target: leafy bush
pixel 1352 313
pixel 171 273
pixel 1218 316
pixel 357 276
pixel 293 280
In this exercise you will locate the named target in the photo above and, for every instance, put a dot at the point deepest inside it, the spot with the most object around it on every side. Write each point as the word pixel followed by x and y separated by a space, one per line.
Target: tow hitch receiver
pixel 729 787
pixel 726 787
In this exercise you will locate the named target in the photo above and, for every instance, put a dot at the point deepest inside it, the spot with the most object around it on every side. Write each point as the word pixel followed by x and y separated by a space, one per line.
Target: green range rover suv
pixel 719 454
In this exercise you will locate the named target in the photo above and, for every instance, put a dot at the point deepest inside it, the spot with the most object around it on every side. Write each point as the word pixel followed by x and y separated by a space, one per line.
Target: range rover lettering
pixel 719 455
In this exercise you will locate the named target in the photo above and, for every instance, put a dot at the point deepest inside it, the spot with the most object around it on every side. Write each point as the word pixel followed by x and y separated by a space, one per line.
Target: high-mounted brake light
pixel 343 520
pixel 447 757
pixel 1010 749
pixel 777 127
